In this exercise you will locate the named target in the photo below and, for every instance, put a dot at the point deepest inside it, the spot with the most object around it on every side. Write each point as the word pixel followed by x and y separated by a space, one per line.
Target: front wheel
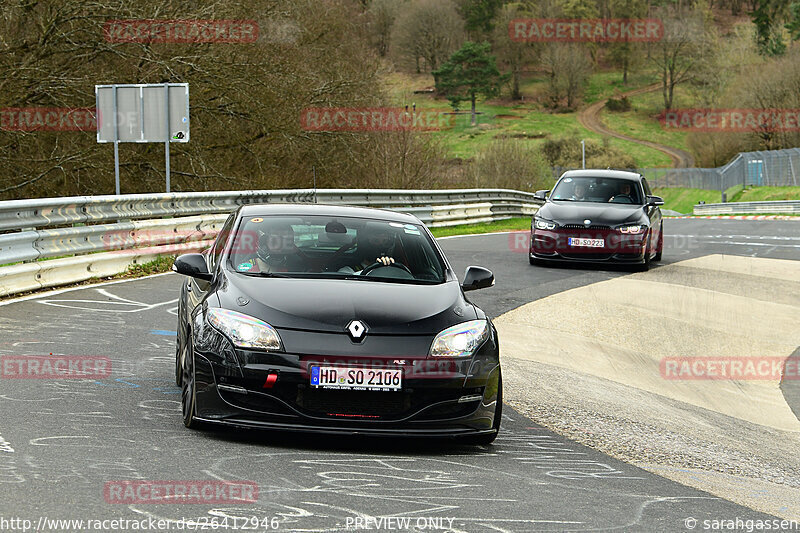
pixel 660 245
pixel 188 391
pixel 644 266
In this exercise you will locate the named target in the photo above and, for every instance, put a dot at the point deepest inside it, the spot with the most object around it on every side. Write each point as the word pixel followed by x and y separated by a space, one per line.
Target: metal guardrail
pixel 114 232
pixel 788 207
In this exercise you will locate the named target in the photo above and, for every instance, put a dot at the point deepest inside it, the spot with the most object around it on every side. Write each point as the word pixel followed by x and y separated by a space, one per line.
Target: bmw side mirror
pixel 477 278
pixel 655 200
pixel 541 195
pixel 193 265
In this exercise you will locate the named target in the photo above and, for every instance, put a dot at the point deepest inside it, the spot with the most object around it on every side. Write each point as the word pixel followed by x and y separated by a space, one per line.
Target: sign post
pixel 142 113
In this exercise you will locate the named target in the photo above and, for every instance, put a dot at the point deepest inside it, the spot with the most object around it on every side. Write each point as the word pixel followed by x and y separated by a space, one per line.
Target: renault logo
pixel 357 330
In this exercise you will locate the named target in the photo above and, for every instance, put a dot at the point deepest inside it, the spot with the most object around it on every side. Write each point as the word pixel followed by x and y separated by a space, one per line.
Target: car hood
pixel 602 214
pixel 328 305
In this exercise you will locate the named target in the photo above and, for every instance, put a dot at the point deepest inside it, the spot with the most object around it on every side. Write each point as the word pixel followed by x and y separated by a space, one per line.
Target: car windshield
pixel 598 190
pixel 334 247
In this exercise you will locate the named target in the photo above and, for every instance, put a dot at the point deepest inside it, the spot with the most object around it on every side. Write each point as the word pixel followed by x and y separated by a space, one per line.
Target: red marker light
pixel 271 379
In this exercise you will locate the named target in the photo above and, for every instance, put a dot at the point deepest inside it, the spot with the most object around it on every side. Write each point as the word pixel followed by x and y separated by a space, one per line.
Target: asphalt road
pixel 63 441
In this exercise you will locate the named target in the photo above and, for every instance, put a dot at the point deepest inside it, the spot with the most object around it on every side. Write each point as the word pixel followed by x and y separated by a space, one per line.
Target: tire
pixel 645 266
pixel 660 245
pixel 188 393
pixel 178 369
pixel 534 261
pixel 488 438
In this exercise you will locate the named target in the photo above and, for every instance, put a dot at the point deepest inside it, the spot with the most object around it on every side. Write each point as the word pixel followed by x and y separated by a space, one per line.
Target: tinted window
pixel 219 243
pixel 646 185
pixel 598 190
pixel 340 247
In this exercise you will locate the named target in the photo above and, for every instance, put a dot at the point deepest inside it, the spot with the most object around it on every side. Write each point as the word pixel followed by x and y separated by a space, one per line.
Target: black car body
pixel 598 216
pixel 330 323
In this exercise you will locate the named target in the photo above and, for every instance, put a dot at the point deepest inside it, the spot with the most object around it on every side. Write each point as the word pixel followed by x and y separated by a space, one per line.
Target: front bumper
pixel 439 398
pixel 617 247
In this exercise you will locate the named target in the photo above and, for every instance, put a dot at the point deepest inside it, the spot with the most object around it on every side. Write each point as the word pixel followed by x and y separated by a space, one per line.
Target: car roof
pixel 305 209
pixel 602 173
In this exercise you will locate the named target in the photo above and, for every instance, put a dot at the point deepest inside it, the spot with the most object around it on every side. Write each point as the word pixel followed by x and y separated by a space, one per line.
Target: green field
pixel 523 121
pixel 641 122
pixel 683 200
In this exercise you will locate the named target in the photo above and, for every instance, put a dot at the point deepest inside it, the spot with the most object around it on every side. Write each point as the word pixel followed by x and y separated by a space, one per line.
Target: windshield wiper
pixel 265 274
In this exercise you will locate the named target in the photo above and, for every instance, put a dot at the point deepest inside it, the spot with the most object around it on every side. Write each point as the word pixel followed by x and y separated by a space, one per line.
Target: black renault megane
pixel 335 319
pixel 598 216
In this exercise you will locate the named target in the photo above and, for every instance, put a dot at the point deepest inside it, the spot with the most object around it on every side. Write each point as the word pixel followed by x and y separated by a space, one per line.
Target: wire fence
pixel 764 168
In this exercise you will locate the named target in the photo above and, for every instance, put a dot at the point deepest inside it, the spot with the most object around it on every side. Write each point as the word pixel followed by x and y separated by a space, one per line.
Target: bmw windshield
pixel 334 247
pixel 598 190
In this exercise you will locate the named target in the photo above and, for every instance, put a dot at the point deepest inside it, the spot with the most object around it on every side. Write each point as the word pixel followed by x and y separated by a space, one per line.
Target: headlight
pixel 632 229
pixel 460 340
pixel 541 223
pixel 243 330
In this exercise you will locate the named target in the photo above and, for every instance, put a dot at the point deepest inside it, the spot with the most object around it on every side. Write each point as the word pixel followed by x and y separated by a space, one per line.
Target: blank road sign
pixel 140 113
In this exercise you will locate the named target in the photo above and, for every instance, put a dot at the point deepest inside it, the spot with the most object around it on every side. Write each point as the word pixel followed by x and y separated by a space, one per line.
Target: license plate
pixel 588 243
pixel 356 378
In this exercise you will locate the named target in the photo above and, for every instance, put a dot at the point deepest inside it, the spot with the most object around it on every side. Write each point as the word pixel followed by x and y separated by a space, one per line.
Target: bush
pixel 565 152
pixel 618 104
pixel 509 164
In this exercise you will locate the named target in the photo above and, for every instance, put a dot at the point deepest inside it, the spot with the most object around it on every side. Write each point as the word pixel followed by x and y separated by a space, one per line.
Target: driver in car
pixel 624 191
pixel 579 191
pixel 276 252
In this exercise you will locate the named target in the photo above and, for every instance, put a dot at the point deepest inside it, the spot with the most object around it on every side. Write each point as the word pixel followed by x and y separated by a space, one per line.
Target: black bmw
pixel 335 319
pixel 598 216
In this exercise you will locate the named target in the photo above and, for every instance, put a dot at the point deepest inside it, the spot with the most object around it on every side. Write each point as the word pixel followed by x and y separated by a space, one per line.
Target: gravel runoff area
pixel 585 363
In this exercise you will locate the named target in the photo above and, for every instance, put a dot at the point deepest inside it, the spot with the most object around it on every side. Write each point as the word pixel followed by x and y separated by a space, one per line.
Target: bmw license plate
pixel 356 378
pixel 588 243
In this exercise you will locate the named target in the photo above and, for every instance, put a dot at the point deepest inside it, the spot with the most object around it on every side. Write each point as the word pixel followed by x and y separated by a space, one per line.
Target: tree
pixel 567 68
pixel 766 16
pixel 625 54
pixel 513 56
pixel 429 30
pixel 676 55
pixel 382 17
pixel 470 72
pixel 479 15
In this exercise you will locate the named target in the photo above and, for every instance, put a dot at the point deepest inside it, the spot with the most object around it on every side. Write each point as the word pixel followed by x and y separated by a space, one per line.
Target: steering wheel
pixel 378 264
pixel 623 199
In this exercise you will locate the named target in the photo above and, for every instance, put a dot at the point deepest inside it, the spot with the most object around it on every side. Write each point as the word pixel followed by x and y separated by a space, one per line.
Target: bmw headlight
pixel 243 330
pixel 460 340
pixel 541 223
pixel 633 229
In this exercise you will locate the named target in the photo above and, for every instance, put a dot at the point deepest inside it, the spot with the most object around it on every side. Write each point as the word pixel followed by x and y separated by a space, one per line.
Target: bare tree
pixel 383 14
pixel 567 67
pixel 513 56
pixel 246 99
pixel 428 30
pixel 678 53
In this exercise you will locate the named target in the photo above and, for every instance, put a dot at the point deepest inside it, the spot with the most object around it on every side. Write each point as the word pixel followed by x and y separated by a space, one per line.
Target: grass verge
pixel 509 224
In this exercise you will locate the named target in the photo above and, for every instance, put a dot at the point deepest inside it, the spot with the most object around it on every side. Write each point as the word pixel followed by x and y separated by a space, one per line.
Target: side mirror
pixel 477 278
pixel 655 200
pixel 193 265
pixel 541 195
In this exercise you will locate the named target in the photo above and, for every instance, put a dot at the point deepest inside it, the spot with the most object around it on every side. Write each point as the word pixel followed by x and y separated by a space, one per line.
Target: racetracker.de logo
pixel 210 491
pixel 731 120
pixel 730 368
pixel 585 30
pixel 374 119
pixel 181 31
pixel 48 119
pixel 54 367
